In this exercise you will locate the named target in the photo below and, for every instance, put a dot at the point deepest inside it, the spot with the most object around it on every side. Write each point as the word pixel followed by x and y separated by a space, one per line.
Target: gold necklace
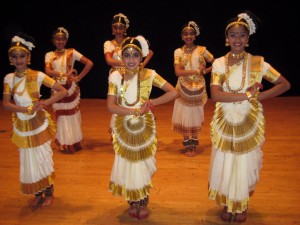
pixel 237 56
pixel 62 67
pixel 131 72
pixel 243 74
pixel 16 85
pixel 123 88
pixel 188 49
pixel 118 44
pixel 21 74
pixel 60 51
pixel 187 58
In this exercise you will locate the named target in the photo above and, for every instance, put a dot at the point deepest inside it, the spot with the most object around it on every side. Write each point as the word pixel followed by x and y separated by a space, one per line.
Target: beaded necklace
pixel 188 49
pixel 243 74
pixel 124 87
pixel 59 51
pixel 187 56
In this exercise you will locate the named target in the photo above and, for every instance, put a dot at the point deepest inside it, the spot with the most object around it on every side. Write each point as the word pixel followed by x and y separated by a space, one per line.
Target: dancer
pixel 60 65
pixel 33 128
pixel 190 67
pixel 133 127
pixel 238 124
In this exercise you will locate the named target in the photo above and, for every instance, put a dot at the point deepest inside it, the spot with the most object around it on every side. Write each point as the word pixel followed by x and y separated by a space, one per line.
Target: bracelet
pixel 135 112
pixel 249 95
pixel 61 75
pixel 204 71
pixel 29 110
pixel 151 105
pixel 197 72
pixel 256 95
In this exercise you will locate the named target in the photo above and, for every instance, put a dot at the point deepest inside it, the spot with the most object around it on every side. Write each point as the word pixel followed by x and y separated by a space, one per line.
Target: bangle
pixel 61 75
pixel 135 112
pixel 204 71
pixel 249 95
pixel 29 110
pixel 131 112
pixel 150 104
pixel 256 95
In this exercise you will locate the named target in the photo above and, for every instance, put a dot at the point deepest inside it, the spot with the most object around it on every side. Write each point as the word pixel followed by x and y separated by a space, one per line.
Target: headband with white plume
pixel 28 44
pixel 125 19
pixel 251 24
pixel 144 45
pixel 64 31
pixel 194 26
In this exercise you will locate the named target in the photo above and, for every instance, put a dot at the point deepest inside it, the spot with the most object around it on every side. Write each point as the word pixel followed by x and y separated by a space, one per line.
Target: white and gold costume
pixel 188 111
pixel 134 138
pixel 237 133
pixel 32 133
pixel 68 116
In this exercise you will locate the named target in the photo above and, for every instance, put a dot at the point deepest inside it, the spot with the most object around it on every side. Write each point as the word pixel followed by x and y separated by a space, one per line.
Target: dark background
pixel 89 25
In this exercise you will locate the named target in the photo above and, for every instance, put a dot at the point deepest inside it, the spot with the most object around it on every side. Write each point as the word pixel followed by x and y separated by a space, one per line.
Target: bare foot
pixel 48 201
pixel 143 213
pixel 240 217
pixel 226 216
pixel 133 211
pixel 36 202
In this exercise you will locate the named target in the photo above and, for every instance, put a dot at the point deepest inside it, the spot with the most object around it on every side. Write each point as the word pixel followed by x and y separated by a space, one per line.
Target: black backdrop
pixel 89 25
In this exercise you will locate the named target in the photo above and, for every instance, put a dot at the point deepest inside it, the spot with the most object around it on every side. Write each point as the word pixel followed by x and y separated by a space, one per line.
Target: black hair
pixel 254 18
pixel 118 19
pixel 132 41
pixel 26 37
pixel 60 30
pixel 187 24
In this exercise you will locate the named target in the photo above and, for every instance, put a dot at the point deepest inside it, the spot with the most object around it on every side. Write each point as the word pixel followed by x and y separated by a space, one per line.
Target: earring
pixel 141 65
pixel 125 34
pixel 247 45
pixel 28 62
pixel 227 43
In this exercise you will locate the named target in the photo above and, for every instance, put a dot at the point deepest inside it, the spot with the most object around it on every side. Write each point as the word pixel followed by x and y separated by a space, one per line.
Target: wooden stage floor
pixel 179 195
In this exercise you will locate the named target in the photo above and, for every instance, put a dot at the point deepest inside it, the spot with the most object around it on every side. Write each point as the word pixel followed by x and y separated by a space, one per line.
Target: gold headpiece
pixel 26 45
pixel 249 24
pixel 194 26
pixel 121 15
pixel 133 46
pixel 18 48
pixel 62 31
pixel 237 23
